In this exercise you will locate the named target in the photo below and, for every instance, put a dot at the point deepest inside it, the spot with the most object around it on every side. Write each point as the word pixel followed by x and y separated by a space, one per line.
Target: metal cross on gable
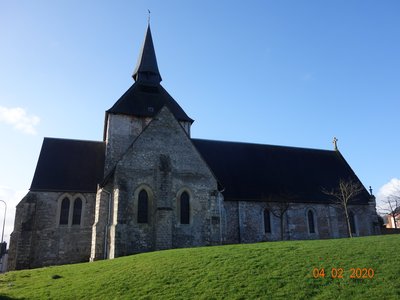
pixel 335 140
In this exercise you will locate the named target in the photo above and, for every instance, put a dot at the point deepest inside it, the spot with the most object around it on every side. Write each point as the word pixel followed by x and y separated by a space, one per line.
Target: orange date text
pixel 354 273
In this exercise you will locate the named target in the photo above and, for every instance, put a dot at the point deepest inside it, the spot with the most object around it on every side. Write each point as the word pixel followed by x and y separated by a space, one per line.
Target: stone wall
pixel 244 222
pixel 164 162
pixel 101 224
pixel 121 131
pixel 38 239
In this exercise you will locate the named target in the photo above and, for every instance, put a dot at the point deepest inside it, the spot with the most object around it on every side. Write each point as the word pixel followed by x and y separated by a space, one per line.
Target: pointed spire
pixel 146 70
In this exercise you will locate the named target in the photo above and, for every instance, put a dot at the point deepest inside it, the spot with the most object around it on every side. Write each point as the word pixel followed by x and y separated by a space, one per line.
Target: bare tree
pixel 392 206
pixel 280 207
pixel 343 195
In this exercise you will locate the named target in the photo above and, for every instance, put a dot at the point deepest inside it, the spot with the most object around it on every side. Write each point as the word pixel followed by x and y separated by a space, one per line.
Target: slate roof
pixel 147 61
pixel 260 172
pixel 146 101
pixel 247 172
pixel 69 165
pixel 146 96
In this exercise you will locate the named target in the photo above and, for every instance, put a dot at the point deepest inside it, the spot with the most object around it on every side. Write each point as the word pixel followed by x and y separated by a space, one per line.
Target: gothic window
pixel 185 208
pixel 267 221
pixel 64 213
pixel 77 212
pixel 352 222
pixel 311 223
pixel 143 207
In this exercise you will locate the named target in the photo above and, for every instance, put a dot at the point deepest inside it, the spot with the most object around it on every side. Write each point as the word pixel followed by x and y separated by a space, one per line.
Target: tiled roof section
pixel 264 172
pixel 146 101
pixel 69 165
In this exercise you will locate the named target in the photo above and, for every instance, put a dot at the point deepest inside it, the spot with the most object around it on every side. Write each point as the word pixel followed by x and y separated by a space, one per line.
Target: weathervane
pixel 335 140
pixel 148 18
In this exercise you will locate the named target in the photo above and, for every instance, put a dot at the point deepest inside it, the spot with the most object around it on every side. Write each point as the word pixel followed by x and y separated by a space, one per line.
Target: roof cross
pixel 335 140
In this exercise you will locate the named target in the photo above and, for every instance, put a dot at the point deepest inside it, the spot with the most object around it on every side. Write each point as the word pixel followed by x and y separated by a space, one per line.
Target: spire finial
pixel 148 17
pixel 335 140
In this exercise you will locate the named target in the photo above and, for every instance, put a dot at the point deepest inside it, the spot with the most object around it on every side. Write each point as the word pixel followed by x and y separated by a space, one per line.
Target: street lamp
pixel 4 220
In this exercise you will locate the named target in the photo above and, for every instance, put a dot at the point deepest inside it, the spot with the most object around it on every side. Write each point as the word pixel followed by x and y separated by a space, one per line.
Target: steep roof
pixel 264 172
pixel 147 67
pixel 246 171
pixel 146 96
pixel 69 165
pixel 146 101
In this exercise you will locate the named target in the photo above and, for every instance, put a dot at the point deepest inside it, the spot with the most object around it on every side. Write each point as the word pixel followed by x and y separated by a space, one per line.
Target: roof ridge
pixel 268 145
pixel 75 140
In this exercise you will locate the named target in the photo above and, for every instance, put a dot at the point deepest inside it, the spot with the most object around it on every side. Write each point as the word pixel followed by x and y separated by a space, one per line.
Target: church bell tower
pixel 127 118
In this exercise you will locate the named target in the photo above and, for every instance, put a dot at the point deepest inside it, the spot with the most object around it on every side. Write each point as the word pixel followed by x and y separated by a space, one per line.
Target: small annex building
pixel 150 186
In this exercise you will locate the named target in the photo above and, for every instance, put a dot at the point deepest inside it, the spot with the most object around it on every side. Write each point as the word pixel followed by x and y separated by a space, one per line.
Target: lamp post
pixel 4 220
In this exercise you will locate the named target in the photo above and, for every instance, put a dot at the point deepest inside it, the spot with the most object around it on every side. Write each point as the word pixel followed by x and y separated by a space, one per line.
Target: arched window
pixel 185 208
pixel 143 207
pixel 311 223
pixel 64 213
pixel 77 212
pixel 267 221
pixel 352 222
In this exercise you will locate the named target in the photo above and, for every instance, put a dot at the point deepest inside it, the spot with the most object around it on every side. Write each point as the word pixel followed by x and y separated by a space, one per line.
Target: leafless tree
pixel 279 210
pixel 391 206
pixel 343 195
pixel 280 207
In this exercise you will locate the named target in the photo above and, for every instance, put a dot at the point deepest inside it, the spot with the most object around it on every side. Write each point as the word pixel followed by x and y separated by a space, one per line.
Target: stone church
pixel 150 186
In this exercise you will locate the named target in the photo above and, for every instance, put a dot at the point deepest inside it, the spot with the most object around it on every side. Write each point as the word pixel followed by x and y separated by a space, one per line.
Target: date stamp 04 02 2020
pixel 355 273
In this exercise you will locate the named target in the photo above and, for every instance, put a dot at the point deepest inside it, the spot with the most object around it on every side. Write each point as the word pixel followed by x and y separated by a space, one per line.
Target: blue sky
pixel 293 73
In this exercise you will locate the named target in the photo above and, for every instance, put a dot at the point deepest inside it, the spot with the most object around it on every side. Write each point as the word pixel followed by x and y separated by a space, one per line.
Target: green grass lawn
pixel 277 270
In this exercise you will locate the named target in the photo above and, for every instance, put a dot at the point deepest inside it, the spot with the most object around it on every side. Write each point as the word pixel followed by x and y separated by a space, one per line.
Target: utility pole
pixel 4 220
pixel 3 245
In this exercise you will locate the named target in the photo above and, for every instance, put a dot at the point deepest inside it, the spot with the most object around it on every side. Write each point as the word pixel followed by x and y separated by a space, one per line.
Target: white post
pixel 4 220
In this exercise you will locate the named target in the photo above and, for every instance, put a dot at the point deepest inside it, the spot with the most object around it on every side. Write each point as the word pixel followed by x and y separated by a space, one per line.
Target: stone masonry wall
pixel 121 130
pixel 38 239
pixel 101 223
pixel 164 162
pixel 244 222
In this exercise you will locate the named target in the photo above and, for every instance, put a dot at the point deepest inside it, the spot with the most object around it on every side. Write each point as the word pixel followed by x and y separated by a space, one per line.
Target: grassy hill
pixel 263 270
